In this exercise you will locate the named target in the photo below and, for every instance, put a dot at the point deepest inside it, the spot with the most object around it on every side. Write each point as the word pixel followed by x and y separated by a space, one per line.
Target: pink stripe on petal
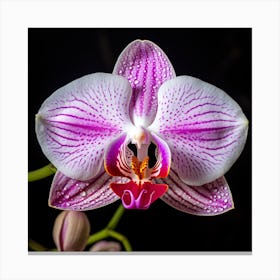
pixel 207 200
pixel 205 129
pixel 163 158
pixel 75 124
pixel 117 160
pixel 70 194
pixel 146 67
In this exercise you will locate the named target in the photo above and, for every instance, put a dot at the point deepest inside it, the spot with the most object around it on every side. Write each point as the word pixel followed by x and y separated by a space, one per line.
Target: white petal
pixel 205 129
pixel 75 124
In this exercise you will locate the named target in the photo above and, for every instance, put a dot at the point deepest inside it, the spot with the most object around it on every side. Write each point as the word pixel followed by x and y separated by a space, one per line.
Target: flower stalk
pixel 36 246
pixel 41 173
pixel 109 231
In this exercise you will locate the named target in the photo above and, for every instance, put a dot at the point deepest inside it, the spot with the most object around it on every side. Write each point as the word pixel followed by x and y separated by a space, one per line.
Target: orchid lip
pixel 138 196
pixel 136 203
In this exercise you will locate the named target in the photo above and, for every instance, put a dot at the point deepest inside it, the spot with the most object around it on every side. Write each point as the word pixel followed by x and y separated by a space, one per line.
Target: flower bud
pixel 71 231
pixel 106 246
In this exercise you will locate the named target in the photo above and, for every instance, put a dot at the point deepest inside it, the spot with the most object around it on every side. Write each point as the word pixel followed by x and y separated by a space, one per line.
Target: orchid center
pixel 140 170
pixel 139 192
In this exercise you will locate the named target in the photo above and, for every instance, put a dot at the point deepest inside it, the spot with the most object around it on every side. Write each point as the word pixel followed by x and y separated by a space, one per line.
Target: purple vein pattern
pixel 210 199
pixel 71 194
pixel 75 124
pixel 203 127
pixel 146 67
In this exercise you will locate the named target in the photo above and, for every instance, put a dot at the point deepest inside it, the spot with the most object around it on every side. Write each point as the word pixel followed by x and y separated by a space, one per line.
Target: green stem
pixel 120 238
pixel 108 231
pixel 102 234
pixel 36 246
pixel 116 218
pixel 41 173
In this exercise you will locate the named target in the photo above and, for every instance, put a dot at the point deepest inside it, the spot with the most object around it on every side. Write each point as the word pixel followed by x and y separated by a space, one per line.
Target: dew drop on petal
pixel 83 193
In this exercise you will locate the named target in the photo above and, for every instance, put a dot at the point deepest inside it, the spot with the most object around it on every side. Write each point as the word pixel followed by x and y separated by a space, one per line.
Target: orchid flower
pixel 87 127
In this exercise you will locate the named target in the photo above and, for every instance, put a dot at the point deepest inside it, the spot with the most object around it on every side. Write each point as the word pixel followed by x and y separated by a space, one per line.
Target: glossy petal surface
pixel 210 199
pixel 75 124
pixel 205 128
pixel 146 67
pixel 70 194
pixel 135 197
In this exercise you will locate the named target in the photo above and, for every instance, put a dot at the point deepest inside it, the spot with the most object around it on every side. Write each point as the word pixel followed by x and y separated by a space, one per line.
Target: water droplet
pixel 225 201
pixel 83 193
pixel 67 196
pixel 120 71
pixel 136 82
pixel 67 204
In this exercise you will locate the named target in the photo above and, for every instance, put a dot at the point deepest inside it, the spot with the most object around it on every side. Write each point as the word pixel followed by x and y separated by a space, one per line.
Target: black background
pixel 220 56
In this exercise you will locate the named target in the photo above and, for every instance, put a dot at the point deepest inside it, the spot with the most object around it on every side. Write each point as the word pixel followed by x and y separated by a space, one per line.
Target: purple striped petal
pixel 146 67
pixel 210 199
pixel 205 129
pixel 163 155
pixel 75 124
pixel 70 194
pixel 117 159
